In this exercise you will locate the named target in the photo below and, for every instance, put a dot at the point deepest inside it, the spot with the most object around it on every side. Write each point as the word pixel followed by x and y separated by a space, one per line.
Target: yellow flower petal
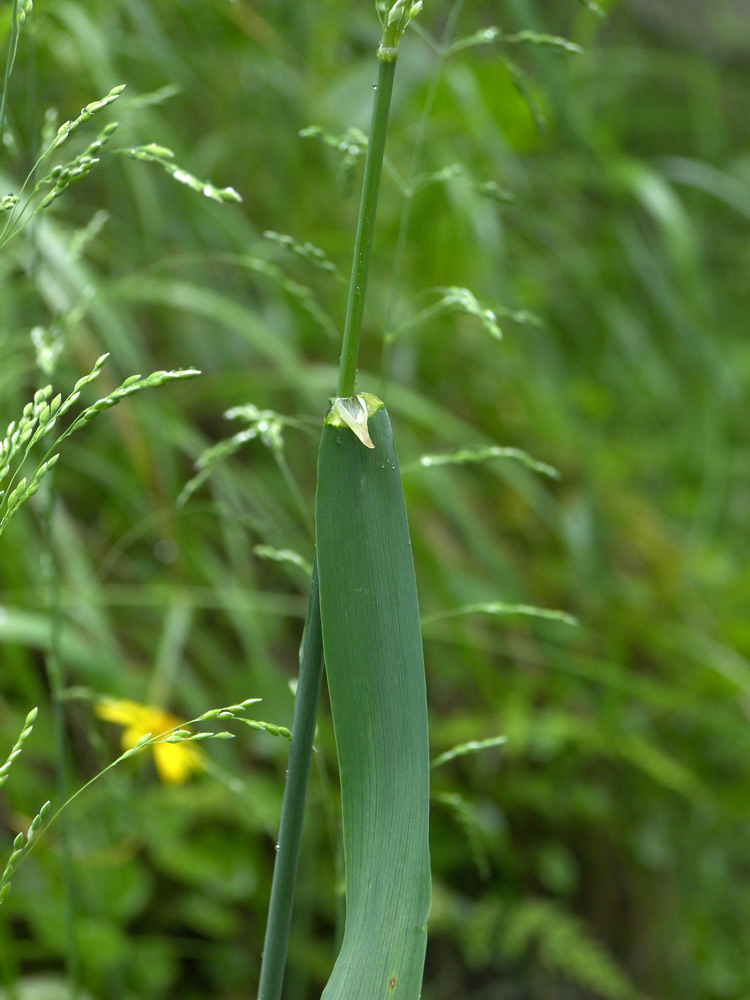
pixel 175 762
pixel 125 713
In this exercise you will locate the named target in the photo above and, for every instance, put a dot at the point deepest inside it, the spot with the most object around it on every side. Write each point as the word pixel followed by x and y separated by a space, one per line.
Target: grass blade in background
pixel 290 833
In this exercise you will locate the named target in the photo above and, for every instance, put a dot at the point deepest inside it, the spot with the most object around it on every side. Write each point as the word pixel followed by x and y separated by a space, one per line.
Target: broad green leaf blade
pixel 375 669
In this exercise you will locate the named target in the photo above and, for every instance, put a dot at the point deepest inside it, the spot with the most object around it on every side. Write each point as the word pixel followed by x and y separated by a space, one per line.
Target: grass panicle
pixel 93 108
pixel 48 188
pixel 24 843
pixel 266 426
pixel 306 250
pixel 41 415
pixel 163 157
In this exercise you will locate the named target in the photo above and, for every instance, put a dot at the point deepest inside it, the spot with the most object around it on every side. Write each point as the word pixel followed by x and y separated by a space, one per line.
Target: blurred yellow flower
pixel 175 762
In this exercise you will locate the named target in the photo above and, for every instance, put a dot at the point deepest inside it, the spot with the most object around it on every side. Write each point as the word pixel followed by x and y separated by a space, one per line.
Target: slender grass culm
pixel 363 620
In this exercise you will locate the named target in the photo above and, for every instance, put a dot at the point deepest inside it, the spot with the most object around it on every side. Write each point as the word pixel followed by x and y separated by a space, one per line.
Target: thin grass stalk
pixel 311 653
pixel 355 308
pixel 56 681
pixel 12 46
pixel 293 809
pixel 285 869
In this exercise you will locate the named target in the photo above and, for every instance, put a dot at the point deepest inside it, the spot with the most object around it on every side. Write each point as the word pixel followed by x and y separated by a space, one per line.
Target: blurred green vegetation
pixel 603 851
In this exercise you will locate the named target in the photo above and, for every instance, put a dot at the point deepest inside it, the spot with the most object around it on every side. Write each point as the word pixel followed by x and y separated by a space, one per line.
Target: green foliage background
pixel 603 851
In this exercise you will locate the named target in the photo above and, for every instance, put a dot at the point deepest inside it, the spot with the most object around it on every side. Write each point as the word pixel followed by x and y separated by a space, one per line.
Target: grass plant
pixel 375 670
pixel 601 849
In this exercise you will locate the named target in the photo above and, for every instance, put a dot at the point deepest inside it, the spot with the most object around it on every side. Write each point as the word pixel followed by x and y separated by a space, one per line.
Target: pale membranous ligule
pixel 375 668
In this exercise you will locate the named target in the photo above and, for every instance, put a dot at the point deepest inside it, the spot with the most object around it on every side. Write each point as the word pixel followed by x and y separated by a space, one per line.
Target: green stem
pixel 293 809
pixel 311 651
pixel 365 228
pixel 12 46
pixel 54 669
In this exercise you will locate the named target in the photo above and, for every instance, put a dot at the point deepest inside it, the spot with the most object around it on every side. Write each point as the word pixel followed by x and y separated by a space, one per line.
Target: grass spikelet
pixel 472 747
pixel 21 842
pixel 37 821
pixel 352 143
pixel 212 457
pixel 283 556
pixel 492 190
pixel 307 251
pixel 266 727
pixel 62 175
pixel 302 295
pixel 131 386
pixel 472 455
pixel 67 128
pixel 452 300
pixel 489 36
pixel 423 181
pixel 500 609
pixel 544 40
pixel 266 426
pixel 26 731
pixel 24 492
pixel 40 416
pixel 594 7
pixel 153 153
pixel 462 300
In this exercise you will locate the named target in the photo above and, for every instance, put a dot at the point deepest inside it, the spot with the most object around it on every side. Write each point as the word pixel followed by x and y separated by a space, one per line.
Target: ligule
pixel 375 668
